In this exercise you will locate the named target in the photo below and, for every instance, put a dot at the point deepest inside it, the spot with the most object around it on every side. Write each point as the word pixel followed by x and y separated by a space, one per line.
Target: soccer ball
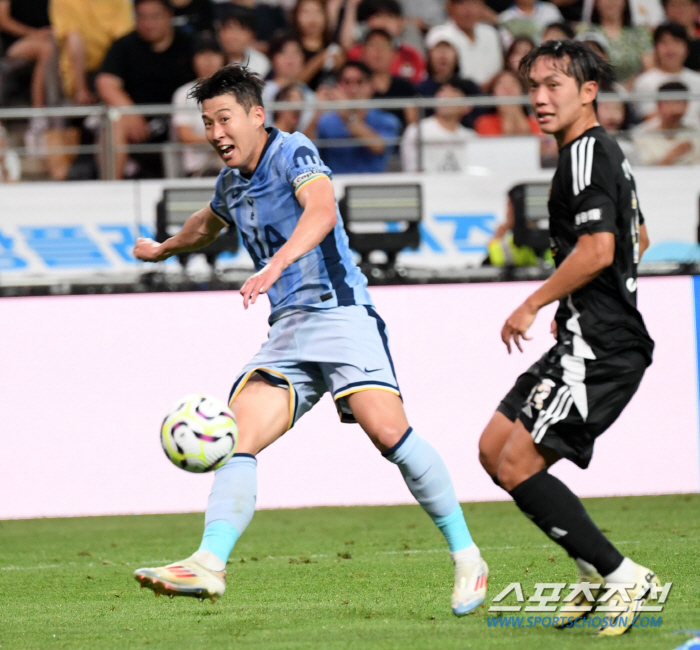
pixel 199 434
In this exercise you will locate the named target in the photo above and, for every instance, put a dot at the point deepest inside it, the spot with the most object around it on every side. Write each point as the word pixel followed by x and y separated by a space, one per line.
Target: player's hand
pixel 261 282
pixel 517 325
pixel 148 250
pixel 554 329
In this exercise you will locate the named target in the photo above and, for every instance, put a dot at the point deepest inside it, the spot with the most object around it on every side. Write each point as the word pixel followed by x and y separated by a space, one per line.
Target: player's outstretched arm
pixel 200 229
pixel 593 253
pixel 316 221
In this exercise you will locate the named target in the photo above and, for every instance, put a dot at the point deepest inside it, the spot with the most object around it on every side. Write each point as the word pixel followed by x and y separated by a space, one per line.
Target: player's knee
pixel 386 435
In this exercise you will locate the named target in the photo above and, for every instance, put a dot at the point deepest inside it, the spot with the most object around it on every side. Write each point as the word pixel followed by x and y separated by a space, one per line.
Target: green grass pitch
pixel 323 578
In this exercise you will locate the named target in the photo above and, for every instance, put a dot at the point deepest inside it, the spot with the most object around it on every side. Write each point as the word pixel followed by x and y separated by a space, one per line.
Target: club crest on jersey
pixel 304 156
pixel 540 393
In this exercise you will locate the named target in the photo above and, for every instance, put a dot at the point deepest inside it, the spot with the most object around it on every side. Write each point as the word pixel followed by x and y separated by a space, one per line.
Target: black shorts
pixel 566 402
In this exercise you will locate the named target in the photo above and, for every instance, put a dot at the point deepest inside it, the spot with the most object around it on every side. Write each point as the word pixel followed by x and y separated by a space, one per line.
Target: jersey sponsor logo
pixel 588 215
pixel 304 156
pixel 631 284
pixel 582 163
pixel 305 178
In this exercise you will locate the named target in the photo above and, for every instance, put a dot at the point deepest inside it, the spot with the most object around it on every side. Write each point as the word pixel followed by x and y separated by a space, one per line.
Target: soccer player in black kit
pixel 578 388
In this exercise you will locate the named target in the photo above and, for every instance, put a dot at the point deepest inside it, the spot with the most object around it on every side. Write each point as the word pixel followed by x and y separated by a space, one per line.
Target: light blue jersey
pixel 266 211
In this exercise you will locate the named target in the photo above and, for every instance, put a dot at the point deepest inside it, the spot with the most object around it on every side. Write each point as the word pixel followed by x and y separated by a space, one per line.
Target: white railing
pixel 106 149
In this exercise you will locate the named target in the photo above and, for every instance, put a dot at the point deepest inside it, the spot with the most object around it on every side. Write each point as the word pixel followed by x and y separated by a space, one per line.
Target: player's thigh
pixel 492 441
pixel 521 458
pixel 381 415
pixel 262 414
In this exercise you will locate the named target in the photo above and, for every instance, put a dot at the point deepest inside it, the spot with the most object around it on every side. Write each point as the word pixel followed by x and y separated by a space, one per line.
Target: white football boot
pixel 616 623
pixel 184 578
pixel 470 585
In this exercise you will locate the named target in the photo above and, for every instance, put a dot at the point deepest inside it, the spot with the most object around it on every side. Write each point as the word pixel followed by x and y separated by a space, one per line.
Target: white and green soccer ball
pixel 199 434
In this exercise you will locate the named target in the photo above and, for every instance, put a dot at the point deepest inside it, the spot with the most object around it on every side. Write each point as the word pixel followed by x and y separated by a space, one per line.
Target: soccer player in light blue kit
pixel 325 334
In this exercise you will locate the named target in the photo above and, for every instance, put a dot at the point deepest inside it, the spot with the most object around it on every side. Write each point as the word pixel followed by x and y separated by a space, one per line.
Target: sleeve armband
pixel 306 178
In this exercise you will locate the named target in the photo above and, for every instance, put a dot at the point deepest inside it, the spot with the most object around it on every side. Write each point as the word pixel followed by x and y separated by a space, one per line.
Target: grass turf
pixel 323 578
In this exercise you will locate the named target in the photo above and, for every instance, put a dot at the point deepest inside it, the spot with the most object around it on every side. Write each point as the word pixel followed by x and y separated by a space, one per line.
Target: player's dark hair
pixel 577 60
pixel 232 13
pixel 165 3
pixel 674 29
pixel 381 33
pixel 358 65
pixel 234 79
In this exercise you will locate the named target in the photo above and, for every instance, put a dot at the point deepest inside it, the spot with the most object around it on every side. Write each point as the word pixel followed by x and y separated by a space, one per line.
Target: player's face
pixel 233 132
pixel 558 102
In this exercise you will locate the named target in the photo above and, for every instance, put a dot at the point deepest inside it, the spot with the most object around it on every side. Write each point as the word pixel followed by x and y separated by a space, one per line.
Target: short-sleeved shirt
pixel 357 160
pixel 593 191
pixel 150 77
pixel 399 88
pixel 99 22
pixel 266 211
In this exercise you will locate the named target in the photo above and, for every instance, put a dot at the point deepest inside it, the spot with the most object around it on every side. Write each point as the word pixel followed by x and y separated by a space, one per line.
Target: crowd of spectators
pixel 132 52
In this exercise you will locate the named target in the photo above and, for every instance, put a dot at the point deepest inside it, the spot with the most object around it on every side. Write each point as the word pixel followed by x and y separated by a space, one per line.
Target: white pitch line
pixel 315 556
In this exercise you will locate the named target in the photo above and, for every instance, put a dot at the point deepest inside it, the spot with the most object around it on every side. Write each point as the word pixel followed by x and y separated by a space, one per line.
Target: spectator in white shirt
pixel 439 143
pixel 670 51
pixel 236 33
pixel 527 18
pixel 668 139
pixel 188 127
pixel 480 53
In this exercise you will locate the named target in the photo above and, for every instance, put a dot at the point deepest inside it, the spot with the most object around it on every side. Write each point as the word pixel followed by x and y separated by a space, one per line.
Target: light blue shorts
pixel 342 350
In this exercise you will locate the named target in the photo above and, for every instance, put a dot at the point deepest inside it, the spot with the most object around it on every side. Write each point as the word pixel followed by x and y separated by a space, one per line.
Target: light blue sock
pixel 429 481
pixel 231 505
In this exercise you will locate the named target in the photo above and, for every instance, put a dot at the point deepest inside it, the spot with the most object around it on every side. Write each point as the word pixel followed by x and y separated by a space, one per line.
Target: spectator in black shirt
pixel 25 34
pixel 378 55
pixel 145 67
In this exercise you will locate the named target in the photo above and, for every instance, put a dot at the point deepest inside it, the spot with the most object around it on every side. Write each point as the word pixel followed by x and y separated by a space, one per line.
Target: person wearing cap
pixel 188 127
pixel 443 140
pixel 235 29
pixel 144 67
pixel 670 51
pixel 478 44
pixel 629 47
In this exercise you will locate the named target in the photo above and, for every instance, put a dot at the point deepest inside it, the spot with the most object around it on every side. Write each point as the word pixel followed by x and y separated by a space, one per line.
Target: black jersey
pixel 593 191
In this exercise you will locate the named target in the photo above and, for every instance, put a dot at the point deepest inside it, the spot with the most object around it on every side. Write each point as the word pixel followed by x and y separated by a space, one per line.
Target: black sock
pixel 559 513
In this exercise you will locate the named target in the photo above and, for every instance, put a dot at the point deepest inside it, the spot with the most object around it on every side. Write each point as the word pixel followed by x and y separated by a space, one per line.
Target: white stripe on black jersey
pixel 593 191
pixel 582 163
